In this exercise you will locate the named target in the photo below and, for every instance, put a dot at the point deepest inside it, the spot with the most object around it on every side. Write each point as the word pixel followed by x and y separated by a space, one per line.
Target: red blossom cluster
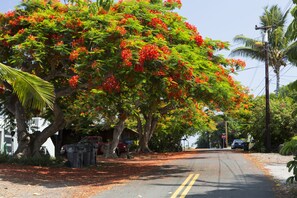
pixel 31 37
pixel 210 52
pixel 111 85
pixel 148 52
pixel 160 36
pixel 56 37
pixel 75 53
pixel 77 42
pixel 60 43
pixel 156 22
pixel 127 57
pixel 189 74
pixel 159 73
pixel 165 50
pixel 173 3
pixel 231 81
pixel 139 68
pixel 236 62
pixel 73 24
pixel 202 79
pixel 14 22
pixel 9 14
pixel 191 27
pixel 220 45
pixel 181 63
pixel 198 80
pixel 199 40
pixel 21 31
pixel 155 12
pixel 121 30
pixel 126 17
pixel 73 81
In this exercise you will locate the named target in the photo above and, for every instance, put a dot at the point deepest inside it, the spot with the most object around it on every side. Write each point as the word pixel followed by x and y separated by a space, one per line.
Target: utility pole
pixel 267 125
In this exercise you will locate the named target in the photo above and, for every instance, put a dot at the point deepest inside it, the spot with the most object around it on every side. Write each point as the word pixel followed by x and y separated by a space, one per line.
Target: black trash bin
pixel 93 156
pixel 75 155
pixel 87 154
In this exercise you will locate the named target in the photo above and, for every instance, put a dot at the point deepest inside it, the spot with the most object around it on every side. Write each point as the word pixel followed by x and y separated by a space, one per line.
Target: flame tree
pixel 135 59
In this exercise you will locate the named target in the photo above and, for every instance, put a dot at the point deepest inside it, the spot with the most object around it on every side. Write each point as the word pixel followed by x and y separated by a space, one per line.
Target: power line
pixel 281 75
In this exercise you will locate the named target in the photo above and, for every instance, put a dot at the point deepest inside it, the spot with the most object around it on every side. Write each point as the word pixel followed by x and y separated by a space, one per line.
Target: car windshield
pixel 238 141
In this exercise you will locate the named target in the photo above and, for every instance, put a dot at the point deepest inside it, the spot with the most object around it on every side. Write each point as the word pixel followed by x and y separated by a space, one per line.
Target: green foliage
pixel 203 140
pixel 290 148
pixel 283 121
pixel 4 158
pixel 46 161
pixel 164 142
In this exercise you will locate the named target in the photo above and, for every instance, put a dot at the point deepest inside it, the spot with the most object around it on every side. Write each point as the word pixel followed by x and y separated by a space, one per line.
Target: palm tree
pixel 31 90
pixel 279 45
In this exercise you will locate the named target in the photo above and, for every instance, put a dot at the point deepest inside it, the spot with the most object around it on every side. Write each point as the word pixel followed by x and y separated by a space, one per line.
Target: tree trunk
pixel 117 132
pixel 14 106
pixel 146 132
pixel 29 144
pixel 56 125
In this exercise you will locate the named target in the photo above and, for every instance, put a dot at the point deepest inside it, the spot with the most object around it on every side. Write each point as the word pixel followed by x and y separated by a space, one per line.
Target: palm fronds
pixel 31 90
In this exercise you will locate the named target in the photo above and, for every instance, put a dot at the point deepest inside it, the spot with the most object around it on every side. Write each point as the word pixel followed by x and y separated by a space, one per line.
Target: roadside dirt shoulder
pixel 274 166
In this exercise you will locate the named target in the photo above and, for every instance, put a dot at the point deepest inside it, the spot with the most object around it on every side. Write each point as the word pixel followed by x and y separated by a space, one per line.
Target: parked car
pixel 97 140
pixel 237 143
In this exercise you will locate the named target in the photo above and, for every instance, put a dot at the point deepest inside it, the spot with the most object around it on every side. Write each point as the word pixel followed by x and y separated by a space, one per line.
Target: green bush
pixel 4 158
pixel 290 148
pixel 32 161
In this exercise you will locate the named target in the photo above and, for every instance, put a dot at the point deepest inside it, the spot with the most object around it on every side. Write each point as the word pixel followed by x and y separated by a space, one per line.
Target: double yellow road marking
pixel 192 178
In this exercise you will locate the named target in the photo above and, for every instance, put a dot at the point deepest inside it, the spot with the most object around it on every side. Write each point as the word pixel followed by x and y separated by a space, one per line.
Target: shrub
pixel 32 161
pixel 290 148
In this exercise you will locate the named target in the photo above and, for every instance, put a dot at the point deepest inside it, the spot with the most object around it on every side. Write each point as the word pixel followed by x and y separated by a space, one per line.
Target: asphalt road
pixel 209 173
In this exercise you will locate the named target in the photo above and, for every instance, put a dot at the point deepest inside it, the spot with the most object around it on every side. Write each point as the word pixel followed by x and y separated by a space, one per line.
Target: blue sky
pixel 223 20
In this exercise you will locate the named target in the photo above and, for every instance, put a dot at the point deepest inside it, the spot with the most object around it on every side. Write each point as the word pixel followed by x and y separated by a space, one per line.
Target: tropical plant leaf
pixel 31 90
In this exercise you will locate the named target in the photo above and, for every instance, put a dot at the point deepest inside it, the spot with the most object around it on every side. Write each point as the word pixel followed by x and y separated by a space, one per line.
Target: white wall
pixel 38 124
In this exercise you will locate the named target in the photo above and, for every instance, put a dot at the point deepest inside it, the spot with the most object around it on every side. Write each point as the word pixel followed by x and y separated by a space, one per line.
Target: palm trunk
pixel 277 73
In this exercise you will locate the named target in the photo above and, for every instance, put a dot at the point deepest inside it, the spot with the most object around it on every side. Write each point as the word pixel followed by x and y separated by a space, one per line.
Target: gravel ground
pixel 274 165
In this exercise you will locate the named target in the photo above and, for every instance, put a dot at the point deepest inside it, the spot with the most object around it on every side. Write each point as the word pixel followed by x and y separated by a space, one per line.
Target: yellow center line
pixel 183 195
pixel 181 186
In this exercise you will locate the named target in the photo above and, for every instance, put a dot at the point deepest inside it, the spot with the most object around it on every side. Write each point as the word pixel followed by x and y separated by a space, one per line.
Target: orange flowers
pixel 73 81
pixel 173 3
pixel 199 40
pixel 157 23
pixel 111 85
pixel 75 53
pixel 127 57
pixel 139 68
pixel 148 52
pixel 236 63
pixel 121 30
pixel 191 27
